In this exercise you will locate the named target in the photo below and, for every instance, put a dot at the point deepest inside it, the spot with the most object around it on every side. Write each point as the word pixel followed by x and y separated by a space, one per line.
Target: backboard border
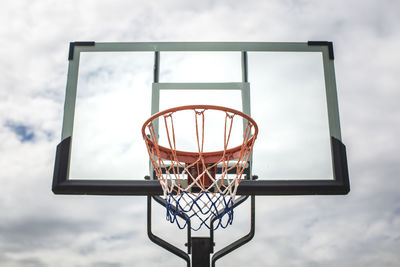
pixel 338 186
pixel 322 43
pixel 72 47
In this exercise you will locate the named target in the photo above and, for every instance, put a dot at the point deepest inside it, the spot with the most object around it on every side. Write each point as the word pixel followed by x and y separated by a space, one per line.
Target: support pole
pixel 201 251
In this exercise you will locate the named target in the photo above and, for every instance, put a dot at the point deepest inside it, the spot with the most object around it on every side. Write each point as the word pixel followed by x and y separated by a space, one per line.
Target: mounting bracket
pixel 200 247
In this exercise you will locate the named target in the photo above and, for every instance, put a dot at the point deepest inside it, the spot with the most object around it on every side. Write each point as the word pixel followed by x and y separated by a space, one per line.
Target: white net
pixel 200 186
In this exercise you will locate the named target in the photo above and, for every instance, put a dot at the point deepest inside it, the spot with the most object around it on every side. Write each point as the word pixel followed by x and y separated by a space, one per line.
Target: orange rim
pixel 208 157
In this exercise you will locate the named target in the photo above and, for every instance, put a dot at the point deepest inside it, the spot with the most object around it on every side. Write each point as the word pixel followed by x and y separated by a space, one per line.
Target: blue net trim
pixel 198 210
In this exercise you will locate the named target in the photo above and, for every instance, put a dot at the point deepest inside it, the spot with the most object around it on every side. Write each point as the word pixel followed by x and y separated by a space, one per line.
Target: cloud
pixel 40 229
pixel 37 233
pixel 106 264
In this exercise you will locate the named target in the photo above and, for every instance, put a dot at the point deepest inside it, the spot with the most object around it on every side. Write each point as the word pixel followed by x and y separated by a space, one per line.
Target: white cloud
pixel 38 228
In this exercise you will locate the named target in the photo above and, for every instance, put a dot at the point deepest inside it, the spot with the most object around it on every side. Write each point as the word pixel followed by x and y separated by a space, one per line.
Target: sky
pixel 38 228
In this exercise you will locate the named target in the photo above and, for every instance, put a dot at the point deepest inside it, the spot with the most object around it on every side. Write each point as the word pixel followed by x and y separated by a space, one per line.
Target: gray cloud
pixel 32 262
pixel 105 264
pixel 361 229
pixel 37 233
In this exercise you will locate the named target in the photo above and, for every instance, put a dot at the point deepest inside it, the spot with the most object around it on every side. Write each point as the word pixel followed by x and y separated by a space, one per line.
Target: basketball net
pixel 199 186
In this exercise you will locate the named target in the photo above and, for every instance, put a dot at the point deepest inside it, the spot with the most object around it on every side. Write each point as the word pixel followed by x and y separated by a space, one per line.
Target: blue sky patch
pixel 24 132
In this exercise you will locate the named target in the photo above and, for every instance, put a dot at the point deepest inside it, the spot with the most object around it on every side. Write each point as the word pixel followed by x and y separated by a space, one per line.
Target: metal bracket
pixel 240 242
pixel 201 247
pixel 161 242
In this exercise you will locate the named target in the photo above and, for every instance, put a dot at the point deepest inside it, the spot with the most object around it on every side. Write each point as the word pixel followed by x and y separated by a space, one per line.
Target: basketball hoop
pixel 199 185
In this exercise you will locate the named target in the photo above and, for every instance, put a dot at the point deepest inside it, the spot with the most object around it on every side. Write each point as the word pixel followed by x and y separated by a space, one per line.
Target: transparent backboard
pixel 287 88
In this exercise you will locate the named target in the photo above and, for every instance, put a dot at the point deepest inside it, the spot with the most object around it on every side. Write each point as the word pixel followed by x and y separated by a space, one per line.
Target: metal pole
pixel 201 252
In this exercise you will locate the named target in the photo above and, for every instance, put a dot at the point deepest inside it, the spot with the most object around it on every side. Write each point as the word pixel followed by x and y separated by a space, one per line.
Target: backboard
pixel 287 88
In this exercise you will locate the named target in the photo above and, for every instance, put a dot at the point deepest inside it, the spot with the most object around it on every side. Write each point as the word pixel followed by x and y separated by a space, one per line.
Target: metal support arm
pixel 240 242
pixel 162 243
